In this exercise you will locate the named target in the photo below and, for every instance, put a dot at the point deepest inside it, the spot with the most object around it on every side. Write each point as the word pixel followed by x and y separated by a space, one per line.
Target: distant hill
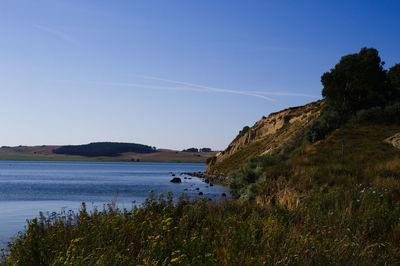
pixel 46 153
pixel 110 149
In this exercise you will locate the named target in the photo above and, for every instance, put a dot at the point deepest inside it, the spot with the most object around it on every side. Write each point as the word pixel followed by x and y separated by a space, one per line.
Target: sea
pixel 30 187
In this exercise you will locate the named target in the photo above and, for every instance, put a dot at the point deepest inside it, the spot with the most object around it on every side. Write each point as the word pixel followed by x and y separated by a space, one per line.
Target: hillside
pixel 263 137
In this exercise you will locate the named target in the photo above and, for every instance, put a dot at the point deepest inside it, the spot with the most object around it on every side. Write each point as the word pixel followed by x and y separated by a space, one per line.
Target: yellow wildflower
pixel 175 259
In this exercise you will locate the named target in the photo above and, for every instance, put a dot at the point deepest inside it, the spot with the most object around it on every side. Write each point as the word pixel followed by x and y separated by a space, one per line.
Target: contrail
pixel 186 89
pixel 286 94
pixel 57 33
pixel 187 86
pixel 259 94
pixel 255 94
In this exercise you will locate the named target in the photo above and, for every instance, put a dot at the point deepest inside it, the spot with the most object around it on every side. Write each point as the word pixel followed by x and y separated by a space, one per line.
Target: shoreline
pixel 209 178
pixel 63 159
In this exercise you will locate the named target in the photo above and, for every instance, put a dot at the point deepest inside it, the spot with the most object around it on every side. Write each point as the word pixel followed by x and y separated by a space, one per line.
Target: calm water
pixel 29 187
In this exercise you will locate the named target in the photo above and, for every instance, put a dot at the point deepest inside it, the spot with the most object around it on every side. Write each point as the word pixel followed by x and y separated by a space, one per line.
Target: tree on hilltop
pixel 357 82
pixel 394 79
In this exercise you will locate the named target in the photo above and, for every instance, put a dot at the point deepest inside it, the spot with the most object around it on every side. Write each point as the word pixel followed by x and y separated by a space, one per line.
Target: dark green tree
pixel 394 80
pixel 357 82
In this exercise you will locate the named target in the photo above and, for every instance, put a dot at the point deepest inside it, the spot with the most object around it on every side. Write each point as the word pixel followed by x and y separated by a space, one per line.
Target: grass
pixel 357 227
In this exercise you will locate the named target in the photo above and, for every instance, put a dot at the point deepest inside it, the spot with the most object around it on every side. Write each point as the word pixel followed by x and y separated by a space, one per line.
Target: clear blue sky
pixel 172 74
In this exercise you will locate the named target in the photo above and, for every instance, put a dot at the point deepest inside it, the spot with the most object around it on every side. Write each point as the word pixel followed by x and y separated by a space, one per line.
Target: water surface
pixel 27 187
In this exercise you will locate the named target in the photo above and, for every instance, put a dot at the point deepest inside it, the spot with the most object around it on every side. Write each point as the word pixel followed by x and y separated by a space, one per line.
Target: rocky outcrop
pixel 394 140
pixel 176 180
pixel 263 137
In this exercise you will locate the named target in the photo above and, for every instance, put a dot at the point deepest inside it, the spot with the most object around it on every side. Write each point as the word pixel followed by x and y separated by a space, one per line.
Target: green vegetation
pixel 358 84
pixel 394 79
pixel 359 226
pixel 104 149
pixel 239 158
pixel 309 167
pixel 197 150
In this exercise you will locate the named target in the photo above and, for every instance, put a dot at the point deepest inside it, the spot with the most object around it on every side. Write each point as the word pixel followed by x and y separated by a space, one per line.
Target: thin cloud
pixel 187 86
pixel 259 94
pixel 57 33
pixel 206 88
pixel 292 94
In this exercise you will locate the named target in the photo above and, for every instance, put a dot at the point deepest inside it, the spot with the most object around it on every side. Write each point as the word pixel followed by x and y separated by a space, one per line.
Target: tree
pixel 191 150
pixel 357 82
pixel 394 79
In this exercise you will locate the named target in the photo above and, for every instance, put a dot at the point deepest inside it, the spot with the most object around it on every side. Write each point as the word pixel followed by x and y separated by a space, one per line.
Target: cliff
pixel 263 137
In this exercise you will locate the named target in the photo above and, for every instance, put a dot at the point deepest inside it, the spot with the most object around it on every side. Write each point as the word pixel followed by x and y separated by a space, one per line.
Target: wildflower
pixel 175 259
pixel 176 252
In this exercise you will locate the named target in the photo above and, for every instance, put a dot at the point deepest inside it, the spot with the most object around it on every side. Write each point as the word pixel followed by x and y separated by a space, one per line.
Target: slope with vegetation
pixel 328 194
pixel 264 137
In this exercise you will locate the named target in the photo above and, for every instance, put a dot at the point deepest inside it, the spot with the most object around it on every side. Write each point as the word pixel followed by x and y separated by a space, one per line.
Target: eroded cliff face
pixel 263 137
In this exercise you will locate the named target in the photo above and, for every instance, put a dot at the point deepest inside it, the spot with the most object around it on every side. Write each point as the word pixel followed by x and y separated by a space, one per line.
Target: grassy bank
pixel 360 226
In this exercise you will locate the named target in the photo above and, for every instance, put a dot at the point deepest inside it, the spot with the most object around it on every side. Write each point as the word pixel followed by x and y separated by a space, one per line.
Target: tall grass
pixel 360 226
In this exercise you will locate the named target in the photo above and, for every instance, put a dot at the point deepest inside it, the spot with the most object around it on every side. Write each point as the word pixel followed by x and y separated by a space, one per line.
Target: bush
pixel 389 114
pixel 250 173
pixel 320 127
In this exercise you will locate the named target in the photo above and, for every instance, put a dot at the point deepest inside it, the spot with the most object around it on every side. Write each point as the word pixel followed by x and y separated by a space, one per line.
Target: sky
pixel 172 74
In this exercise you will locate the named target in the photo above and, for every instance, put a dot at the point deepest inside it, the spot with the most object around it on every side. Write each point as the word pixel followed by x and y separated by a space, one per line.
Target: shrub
pixel 320 127
pixel 389 114
pixel 252 171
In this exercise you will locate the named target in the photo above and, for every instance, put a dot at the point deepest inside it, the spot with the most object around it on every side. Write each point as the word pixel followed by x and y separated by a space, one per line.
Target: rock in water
pixel 176 180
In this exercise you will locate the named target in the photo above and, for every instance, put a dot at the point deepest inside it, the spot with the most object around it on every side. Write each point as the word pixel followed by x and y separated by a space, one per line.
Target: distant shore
pixel 58 159
pixel 45 153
